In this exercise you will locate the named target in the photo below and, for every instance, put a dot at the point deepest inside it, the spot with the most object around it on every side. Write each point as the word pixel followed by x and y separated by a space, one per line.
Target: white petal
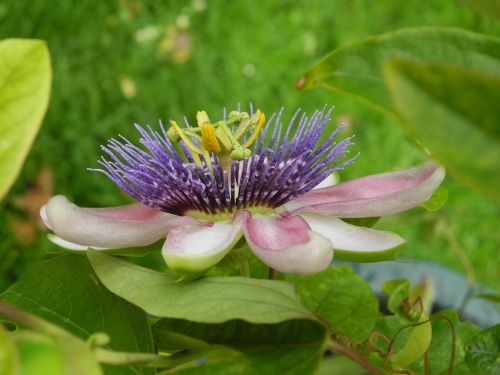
pixel 354 243
pixel 327 182
pixel 70 245
pixel 195 248
pixel 287 244
pixel 376 195
pixel 95 228
pixel 43 216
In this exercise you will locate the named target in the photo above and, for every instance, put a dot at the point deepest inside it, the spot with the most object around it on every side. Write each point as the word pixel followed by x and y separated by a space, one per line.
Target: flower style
pixel 204 187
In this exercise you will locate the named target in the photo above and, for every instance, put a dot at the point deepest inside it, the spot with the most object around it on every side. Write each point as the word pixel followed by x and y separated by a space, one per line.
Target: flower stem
pixel 244 268
pixel 271 275
pixel 336 347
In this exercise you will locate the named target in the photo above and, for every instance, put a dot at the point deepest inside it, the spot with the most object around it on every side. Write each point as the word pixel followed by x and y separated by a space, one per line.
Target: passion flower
pixel 204 187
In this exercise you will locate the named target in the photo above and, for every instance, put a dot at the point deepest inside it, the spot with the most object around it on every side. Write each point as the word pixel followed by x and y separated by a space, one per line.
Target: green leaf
pixel 207 300
pixel 409 302
pixel 65 291
pixel 437 200
pixel 483 352
pixel 389 327
pixel 398 291
pixel 357 69
pixel 292 347
pixel 454 114
pixel 9 357
pixel 410 340
pixel 341 297
pixel 416 344
pixel 488 8
pixel 25 78
pixel 390 286
pixel 440 350
pixel 408 349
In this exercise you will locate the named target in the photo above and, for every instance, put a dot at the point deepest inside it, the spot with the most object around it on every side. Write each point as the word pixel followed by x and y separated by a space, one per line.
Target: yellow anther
pixel 208 137
pixel 255 133
pixel 186 140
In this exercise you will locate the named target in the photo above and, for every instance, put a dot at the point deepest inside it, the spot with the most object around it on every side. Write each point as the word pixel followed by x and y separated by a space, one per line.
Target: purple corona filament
pixel 284 164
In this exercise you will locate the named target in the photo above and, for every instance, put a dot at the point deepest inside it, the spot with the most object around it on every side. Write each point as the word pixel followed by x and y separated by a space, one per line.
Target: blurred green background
pixel 120 62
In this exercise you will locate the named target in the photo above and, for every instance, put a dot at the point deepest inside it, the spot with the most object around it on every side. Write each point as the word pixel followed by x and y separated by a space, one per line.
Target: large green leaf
pixel 25 77
pixel 66 292
pixel 206 300
pixel 342 298
pixel 357 69
pixel 489 8
pixel 454 113
pixel 292 347
pixel 483 352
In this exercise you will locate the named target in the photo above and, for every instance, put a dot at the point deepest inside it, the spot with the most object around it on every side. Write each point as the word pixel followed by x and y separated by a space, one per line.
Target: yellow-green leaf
pixel 25 79
pixel 417 344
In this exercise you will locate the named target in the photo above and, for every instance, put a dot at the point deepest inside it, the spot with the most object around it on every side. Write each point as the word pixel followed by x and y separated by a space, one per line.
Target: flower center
pixel 228 215
pixel 229 139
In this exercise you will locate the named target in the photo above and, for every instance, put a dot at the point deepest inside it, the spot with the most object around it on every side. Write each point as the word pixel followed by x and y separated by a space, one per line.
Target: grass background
pixel 120 62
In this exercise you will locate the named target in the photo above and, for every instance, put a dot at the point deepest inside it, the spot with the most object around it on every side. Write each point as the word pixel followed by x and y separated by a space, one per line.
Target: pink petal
pixel 376 195
pixel 117 227
pixel 134 212
pixel 286 243
pixel 354 243
pixel 195 248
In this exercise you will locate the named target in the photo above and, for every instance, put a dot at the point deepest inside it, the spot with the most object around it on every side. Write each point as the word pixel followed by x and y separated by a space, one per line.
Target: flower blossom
pixel 205 187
